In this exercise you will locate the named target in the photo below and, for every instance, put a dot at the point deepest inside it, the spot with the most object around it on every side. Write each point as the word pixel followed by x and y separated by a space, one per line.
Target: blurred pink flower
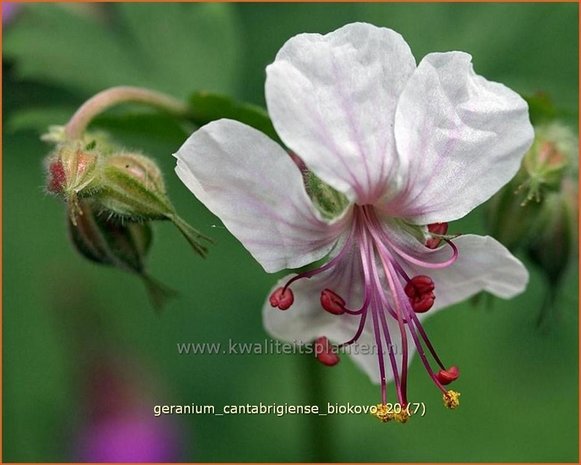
pixel 120 424
pixel 9 10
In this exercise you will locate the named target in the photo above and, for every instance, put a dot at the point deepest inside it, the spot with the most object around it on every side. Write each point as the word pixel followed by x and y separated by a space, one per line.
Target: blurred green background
pixel 61 313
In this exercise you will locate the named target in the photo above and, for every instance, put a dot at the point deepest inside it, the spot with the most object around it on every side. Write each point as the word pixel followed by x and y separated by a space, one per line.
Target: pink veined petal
pixel 254 187
pixel 332 100
pixel 461 136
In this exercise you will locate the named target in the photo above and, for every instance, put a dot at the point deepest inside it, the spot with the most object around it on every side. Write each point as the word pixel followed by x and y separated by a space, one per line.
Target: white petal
pixel 483 264
pixel 332 100
pixel 463 137
pixel 254 187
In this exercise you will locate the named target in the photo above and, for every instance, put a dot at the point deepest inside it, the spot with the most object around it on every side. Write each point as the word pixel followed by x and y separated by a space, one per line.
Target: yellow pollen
pixel 381 412
pixel 402 416
pixel 451 399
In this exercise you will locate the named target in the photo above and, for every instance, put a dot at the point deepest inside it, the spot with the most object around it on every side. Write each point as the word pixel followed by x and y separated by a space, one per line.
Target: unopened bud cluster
pixel 537 210
pixel 112 195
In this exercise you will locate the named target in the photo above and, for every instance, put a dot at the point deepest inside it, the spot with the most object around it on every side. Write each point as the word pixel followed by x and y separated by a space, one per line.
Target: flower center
pixel 391 300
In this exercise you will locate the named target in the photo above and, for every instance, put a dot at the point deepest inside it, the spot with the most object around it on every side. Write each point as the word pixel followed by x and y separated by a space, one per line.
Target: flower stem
pixel 116 95
pixel 318 428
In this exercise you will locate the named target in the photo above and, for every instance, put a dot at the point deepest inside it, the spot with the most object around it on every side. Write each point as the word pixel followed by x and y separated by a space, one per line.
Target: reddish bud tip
pixel 447 376
pixel 282 298
pixel 57 177
pixel 420 290
pixel 324 352
pixel 332 302
pixel 436 228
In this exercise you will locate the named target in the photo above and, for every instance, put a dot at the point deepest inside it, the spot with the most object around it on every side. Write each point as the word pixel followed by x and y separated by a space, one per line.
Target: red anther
pixel 420 290
pixel 332 302
pixel 419 285
pixel 324 352
pixel 447 376
pixel 282 298
pixel 436 228
pixel 57 177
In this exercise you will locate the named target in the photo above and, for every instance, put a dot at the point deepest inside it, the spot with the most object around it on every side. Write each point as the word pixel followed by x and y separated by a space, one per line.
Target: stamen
pixel 335 304
pixel 324 352
pixel 420 290
pixel 423 263
pixel 332 302
pixel 439 229
pixel 447 376
pixel 382 413
pixel 377 334
pixel 411 316
pixel 451 399
pixel 402 416
pixel 418 326
pixel 400 382
pixel 388 290
pixel 282 298
pixel 359 330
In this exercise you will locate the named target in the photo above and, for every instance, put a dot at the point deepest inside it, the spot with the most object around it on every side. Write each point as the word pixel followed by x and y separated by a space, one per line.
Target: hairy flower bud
pixel 552 155
pixel 108 241
pixel 508 220
pixel 552 244
pixel 537 211
pixel 554 237
pixel 512 214
pixel 73 170
pixel 112 195
pixel 133 188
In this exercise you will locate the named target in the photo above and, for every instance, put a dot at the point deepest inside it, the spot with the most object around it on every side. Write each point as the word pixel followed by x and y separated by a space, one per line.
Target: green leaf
pixel 143 124
pixel 171 47
pixel 208 107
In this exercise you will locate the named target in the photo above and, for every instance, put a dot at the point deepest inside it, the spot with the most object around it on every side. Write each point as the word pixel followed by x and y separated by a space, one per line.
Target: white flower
pixel 409 146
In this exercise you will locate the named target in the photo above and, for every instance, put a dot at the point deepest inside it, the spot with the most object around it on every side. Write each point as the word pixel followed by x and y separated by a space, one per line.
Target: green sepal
pixel 330 202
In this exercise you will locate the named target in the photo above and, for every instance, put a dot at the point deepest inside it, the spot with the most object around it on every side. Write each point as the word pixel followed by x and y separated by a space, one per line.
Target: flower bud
pixel 552 155
pixel 553 242
pixel 512 213
pixel 73 170
pixel 508 220
pixel 133 188
pixel 554 238
pixel 124 245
